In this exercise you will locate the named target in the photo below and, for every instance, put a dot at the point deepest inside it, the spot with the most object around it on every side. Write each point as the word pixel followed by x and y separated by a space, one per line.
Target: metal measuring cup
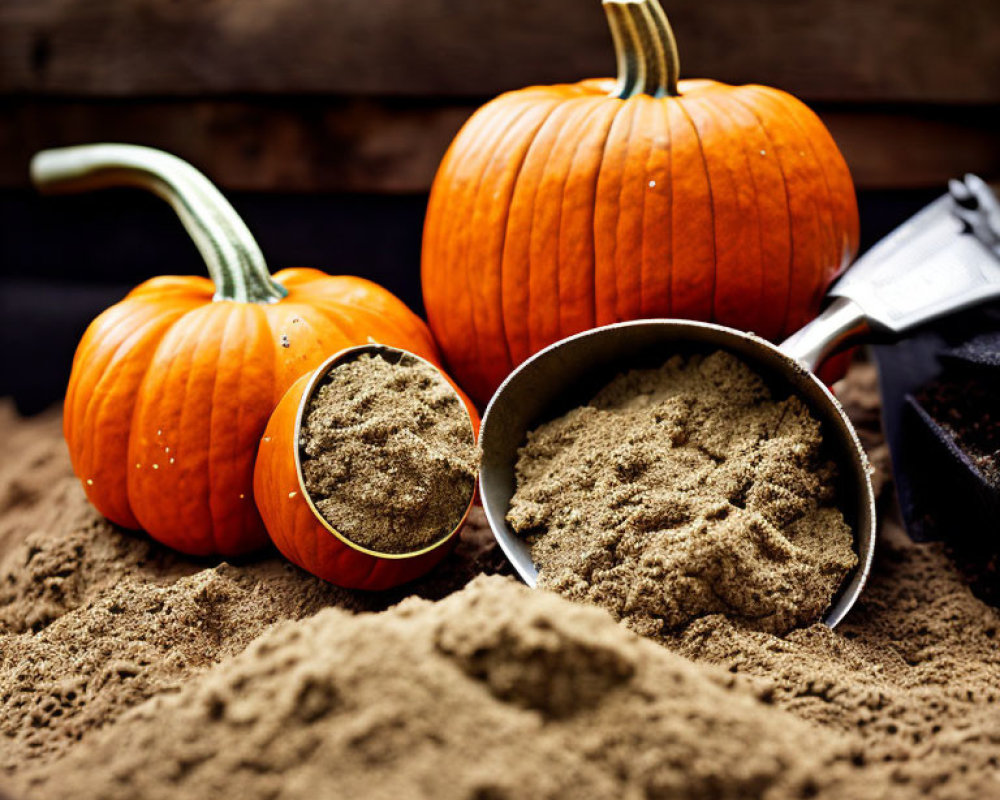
pixel 943 259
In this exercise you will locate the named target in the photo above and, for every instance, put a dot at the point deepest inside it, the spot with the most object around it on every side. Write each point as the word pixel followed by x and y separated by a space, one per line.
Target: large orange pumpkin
pixel 172 387
pixel 558 208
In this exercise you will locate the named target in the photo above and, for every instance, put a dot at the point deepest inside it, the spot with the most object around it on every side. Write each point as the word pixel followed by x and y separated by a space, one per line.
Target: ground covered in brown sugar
pixel 130 672
pixel 683 491
pixel 388 454
pixel 95 620
pixel 535 697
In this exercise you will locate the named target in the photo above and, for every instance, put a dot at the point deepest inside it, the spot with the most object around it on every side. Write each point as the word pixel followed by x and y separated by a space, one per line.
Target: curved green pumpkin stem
pixel 235 262
pixel 645 47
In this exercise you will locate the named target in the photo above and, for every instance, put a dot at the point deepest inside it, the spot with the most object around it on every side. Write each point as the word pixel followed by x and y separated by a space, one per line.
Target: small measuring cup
pixel 943 259
pixel 294 523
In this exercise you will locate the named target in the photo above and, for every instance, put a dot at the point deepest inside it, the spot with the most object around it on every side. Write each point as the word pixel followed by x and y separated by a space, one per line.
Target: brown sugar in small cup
pixel 363 476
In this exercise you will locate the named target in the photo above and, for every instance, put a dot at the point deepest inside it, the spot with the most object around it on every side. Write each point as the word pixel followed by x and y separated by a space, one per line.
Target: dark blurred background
pixel 324 120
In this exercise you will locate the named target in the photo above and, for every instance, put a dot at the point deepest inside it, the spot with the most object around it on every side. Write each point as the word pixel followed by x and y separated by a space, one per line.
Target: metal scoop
pixel 943 259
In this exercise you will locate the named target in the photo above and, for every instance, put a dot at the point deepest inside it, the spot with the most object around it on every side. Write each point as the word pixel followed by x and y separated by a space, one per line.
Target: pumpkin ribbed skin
pixel 559 208
pixel 296 529
pixel 170 392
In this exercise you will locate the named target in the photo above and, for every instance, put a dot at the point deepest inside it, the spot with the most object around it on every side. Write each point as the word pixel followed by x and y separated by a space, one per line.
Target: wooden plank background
pixel 363 96
pixel 394 145
pixel 324 121
pixel 855 50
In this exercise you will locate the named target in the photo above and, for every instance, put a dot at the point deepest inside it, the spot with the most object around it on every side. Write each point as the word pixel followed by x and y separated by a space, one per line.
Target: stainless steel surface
pixel 979 209
pixel 840 323
pixel 942 259
pixel 937 262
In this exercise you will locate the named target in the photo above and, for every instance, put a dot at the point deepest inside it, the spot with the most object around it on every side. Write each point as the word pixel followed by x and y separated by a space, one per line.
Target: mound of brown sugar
pixel 684 491
pixel 496 691
pixel 95 620
pixel 505 693
pixel 388 453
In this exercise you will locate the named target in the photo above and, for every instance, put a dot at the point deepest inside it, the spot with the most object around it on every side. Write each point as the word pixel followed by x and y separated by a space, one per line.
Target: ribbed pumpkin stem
pixel 235 262
pixel 645 47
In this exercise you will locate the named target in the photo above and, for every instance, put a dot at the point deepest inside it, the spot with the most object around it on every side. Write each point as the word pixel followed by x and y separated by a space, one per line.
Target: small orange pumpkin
pixel 558 208
pixel 296 526
pixel 172 387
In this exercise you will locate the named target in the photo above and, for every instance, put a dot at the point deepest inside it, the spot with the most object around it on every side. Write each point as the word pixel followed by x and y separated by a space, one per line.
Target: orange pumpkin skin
pixel 559 208
pixel 170 392
pixel 294 527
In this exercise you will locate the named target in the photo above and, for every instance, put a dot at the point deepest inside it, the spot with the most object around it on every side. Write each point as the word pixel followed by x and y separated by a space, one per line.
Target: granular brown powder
pixel 95 620
pixel 684 491
pixel 388 454
pixel 497 692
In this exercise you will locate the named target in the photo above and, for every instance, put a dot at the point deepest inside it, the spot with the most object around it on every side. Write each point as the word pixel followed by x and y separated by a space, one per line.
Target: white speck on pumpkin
pixel 159 433
pixel 267 438
pixel 763 152
pixel 241 497
pixel 291 495
pixel 138 465
pixel 166 449
pixel 171 461
pixel 90 481
pixel 156 466
pixel 652 184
